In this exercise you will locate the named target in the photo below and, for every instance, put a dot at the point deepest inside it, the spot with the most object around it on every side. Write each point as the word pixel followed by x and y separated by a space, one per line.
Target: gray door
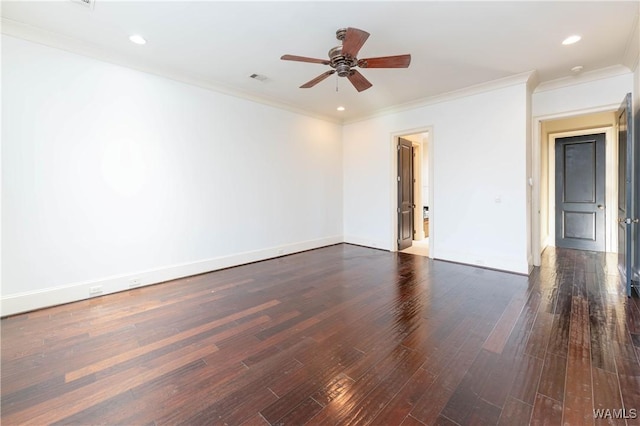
pixel 580 192
pixel 405 194
pixel 626 220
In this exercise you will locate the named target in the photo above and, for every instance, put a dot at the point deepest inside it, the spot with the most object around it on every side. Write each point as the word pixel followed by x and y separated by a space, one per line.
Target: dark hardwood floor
pixel 339 335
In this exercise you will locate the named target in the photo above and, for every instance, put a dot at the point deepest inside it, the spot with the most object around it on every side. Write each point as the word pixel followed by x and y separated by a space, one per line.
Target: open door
pixel 626 218
pixel 405 194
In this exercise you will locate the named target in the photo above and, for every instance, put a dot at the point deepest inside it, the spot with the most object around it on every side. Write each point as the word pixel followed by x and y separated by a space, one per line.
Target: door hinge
pixel 398 147
pixel 398 178
pixel 398 209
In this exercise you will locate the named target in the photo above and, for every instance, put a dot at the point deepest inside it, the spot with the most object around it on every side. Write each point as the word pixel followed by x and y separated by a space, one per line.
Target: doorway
pixel 413 193
pixel 550 130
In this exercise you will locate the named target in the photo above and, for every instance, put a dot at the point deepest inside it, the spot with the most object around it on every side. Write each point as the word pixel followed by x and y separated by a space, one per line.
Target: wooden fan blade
pixel 399 61
pixel 358 81
pixel 304 59
pixel 317 80
pixel 353 41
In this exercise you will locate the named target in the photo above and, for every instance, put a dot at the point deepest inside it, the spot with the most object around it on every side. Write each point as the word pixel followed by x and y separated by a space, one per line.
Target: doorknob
pixel 600 206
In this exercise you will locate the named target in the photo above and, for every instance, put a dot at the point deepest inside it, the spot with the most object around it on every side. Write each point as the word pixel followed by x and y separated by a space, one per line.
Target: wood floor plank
pixel 369 407
pixel 333 359
pixel 56 408
pixel 578 401
pixel 515 412
pixel 346 410
pixel 173 339
pixel 559 337
pixel 553 377
pixel 540 334
pixel 484 413
pixel 525 383
pixel 447 381
pixel 400 405
pixel 255 420
pixel 411 421
pixel 606 395
pixel 498 337
pixel 302 413
pixel 546 411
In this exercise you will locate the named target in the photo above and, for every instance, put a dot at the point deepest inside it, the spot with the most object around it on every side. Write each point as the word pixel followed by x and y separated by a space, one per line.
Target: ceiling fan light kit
pixel 343 59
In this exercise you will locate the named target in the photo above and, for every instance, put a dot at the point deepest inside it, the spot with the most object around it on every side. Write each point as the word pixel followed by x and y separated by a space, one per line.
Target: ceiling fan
pixel 343 59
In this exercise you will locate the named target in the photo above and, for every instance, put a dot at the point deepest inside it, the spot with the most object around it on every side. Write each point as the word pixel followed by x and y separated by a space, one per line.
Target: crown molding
pixel 73 45
pixel 587 77
pixel 521 78
pixel 533 81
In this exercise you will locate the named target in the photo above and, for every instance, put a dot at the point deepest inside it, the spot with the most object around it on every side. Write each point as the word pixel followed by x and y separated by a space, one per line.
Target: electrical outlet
pixel 93 291
pixel 134 282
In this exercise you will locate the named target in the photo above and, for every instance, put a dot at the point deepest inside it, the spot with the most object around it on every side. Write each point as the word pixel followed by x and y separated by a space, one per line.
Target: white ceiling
pixel 453 44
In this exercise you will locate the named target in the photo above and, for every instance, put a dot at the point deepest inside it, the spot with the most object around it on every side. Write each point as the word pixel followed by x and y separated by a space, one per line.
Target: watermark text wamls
pixel 619 413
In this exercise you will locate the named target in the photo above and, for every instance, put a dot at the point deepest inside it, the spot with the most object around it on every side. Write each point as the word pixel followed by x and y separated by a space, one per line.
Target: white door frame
pixel 536 231
pixel 393 178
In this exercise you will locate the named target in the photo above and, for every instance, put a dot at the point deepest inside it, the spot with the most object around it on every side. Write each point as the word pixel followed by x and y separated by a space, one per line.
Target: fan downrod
pixel 341 33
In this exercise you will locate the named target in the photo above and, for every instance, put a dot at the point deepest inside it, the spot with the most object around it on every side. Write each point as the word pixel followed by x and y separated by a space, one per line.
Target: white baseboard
pixel 29 301
pixel 501 263
pixel 350 239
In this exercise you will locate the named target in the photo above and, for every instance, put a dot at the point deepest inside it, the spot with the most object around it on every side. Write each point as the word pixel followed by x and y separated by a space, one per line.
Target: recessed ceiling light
pixel 137 39
pixel 571 40
pixel 340 108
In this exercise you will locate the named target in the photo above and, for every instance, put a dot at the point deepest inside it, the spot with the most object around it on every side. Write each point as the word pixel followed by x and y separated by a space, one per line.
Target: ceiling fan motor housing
pixel 340 62
pixel 343 70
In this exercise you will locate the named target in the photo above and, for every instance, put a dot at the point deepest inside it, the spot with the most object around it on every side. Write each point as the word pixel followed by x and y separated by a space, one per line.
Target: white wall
pixel 110 174
pixel 479 178
pixel 581 98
